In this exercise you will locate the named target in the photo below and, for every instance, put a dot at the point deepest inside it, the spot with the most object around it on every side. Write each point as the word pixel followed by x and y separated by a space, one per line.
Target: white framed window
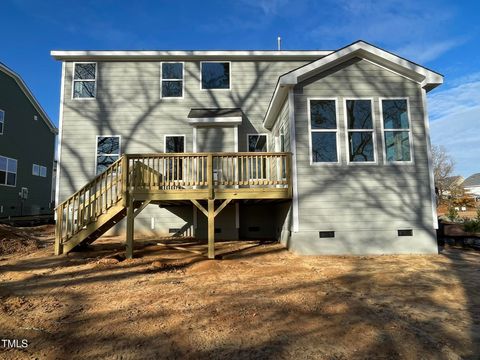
pixel 360 131
pixel 84 83
pixel 215 75
pixel 2 121
pixel 397 137
pixel 43 171
pixel 323 130
pixel 107 152
pixel 35 170
pixel 172 77
pixel 8 171
pixel 174 144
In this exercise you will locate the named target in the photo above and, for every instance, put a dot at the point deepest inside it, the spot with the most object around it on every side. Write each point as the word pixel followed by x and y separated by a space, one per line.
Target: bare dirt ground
pixel 258 302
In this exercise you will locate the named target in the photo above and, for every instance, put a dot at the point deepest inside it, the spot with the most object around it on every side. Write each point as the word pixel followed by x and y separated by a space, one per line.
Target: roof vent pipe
pixel 279 43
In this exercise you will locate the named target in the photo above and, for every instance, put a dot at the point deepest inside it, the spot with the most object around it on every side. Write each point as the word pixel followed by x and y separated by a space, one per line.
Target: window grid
pixel 326 130
pixel 353 130
pixel 181 80
pixel 8 171
pixel 76 80
pixel 98 154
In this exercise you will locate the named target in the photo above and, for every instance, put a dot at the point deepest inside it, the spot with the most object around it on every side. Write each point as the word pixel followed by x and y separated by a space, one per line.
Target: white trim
pixel 235 138
pixel 162 79
pixel 10 172
pixel 112 154
pixel 429 159
pixel 30 96
pixel 219 120
pixel 59 138
pixel 2 121
pixel 409 130
pixel 192 54
pixel 361 49
pixel 373 131
pixel 336 131
pixel 293 148
pixel 194 140
pixel 174 135
pixel 88 80
pixel 230 72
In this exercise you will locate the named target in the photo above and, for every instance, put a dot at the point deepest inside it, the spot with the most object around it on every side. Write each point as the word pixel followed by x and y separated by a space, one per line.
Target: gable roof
pixel 427 78
pixel 473 180
pixel 453 181
pixel 29 95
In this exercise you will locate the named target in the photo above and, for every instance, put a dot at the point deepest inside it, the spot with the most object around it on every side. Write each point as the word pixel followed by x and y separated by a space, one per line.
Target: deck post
pixel 210 175
pixel 125 179
pixel 130 229
pixel 58 231
pixel 211 229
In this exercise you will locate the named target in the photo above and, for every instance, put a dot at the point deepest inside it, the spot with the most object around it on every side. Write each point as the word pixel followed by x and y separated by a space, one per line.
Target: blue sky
pixel 442 35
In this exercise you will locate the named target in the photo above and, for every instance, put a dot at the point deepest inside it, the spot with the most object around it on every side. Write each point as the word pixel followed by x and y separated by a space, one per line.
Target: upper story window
pixel 172 80
pixel 323 129
pixel 361 143
pixel 8 171
pixel 84 80
pixel 39 170
pixel 215 75
pixel 396 130
pixel 2 121
pixel 108 151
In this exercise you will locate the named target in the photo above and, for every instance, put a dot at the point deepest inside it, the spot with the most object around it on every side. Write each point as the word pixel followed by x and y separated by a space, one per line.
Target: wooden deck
pixel 136 180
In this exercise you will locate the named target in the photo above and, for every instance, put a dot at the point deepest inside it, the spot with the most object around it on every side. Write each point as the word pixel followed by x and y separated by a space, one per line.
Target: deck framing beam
pixel 130 228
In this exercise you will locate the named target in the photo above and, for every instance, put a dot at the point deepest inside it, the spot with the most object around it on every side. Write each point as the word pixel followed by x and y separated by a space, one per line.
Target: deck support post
pixel 130 229
pixel 58 232
pixel 211 229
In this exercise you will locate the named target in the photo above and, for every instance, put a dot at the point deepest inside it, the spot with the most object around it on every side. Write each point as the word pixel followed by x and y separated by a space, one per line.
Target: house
pixel 450 185
pixel 27 145
pixel 472 185
pixel 325 151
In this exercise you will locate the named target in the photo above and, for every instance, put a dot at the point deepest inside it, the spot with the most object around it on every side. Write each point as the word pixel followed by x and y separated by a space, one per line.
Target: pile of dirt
pixel 16 240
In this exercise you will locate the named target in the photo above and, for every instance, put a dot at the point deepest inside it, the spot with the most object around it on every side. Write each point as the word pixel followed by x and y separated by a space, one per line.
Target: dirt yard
pixel 257 302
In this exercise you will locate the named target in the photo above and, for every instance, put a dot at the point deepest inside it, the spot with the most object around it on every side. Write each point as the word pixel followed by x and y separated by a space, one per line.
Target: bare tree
pixel 443 166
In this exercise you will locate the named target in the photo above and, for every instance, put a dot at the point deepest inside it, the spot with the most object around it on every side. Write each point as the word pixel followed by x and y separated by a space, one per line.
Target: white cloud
pixel 455 114
pixel 427 51
pixel 268 7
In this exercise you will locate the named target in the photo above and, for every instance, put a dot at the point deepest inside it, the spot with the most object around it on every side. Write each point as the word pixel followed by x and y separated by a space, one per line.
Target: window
pixel 258 143
pixel 172 80
pixel 396 127
pixel 175 144
pixel 36 170
pixel 84 80
pixel 323 130
pixel 8 171
pixel 2 121
pixel 108 151
pixel 215 75
pixel 43 171
pixel 361 147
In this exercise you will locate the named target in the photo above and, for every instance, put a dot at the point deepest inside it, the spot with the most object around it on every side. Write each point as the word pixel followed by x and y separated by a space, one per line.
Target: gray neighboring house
pixel 472 184
pixel 27 145
pixel 355 121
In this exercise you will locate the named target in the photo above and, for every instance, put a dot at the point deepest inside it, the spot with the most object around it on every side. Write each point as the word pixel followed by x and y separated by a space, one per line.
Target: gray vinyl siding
pixel 128 103
pixel 30 142
pixel 357 200
pixel 215 139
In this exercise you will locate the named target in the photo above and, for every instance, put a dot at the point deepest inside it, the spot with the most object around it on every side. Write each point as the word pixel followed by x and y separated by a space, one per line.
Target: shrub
pixel 452 213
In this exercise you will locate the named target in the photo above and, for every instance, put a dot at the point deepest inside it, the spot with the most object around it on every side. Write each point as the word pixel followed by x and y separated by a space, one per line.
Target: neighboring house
pixel 27 144
pixel 359 179
pixel 472 184
pixel 451 185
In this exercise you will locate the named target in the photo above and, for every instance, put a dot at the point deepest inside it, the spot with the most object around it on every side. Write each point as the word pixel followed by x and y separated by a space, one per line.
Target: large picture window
pixel 2 121
pixel 8 171
pixel 108 151
pixel 172 80
pixel 396 127
pixel 84 80
pixel 215 75
pixel 361 146
pixel 323 130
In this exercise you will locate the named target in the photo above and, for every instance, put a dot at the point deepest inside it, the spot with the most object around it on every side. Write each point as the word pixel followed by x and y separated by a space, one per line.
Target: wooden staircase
pixel 92 210
pixel 134 181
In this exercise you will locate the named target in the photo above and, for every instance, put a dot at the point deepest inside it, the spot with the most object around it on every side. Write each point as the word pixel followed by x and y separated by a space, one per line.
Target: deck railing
pixel 194 170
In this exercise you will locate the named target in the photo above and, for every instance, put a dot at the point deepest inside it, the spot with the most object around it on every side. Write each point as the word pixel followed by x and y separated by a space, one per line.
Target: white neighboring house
pixel 472 185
